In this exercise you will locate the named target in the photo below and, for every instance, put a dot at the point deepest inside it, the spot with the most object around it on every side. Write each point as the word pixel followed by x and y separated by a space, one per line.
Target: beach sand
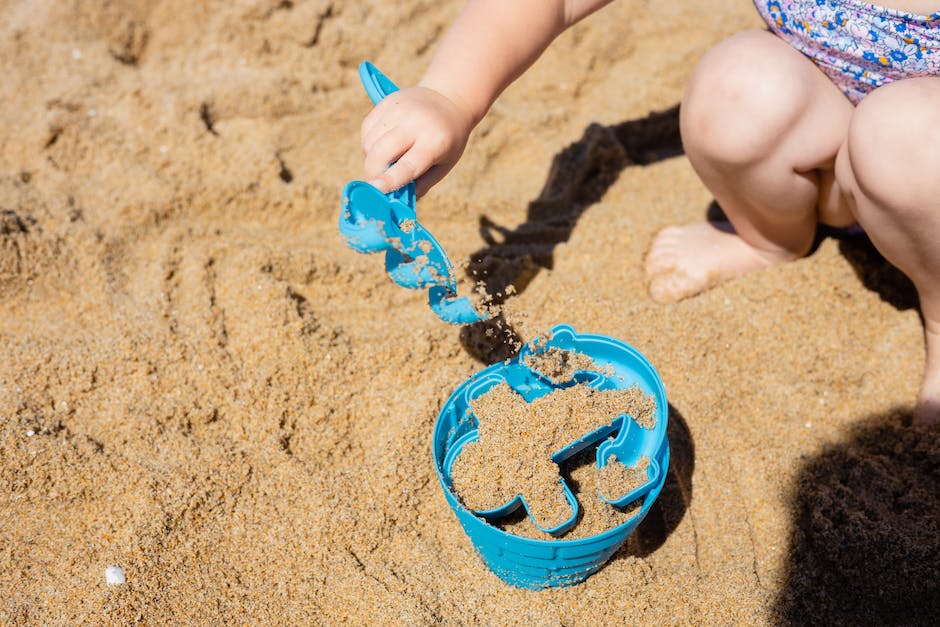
pixel 200 383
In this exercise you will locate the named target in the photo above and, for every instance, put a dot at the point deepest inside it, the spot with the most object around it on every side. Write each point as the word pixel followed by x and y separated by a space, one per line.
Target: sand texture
pixel 558 365
pixel 616 480
pixel 200 383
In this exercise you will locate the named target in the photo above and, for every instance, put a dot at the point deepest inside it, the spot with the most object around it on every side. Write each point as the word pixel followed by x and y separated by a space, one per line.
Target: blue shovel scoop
pixel 372 222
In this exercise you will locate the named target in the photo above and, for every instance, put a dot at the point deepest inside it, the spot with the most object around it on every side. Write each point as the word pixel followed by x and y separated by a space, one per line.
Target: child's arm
pixel 424 129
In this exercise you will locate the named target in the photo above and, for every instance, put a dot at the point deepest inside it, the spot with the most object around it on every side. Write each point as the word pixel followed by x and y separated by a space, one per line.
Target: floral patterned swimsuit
pixel 860 46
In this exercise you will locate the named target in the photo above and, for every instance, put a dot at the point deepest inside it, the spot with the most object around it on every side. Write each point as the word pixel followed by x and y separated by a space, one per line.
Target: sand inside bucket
pixel 559 365
pixel 513 454
pixel 615 479
pixel 595 515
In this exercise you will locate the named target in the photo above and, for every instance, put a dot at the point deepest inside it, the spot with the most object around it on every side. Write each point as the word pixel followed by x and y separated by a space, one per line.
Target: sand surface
pixel 200 383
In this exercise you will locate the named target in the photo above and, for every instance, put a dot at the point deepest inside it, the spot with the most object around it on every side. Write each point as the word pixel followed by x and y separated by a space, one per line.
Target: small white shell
pixel 114 576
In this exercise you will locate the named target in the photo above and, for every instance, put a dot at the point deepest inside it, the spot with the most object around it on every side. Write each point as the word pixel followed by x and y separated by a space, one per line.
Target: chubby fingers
pixel 397 158
pixel 385 150
pixel 409 166
pixel 375 124
pixel 415 134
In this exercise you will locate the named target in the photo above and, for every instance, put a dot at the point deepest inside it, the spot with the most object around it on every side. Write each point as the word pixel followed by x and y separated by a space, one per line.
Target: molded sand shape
pixel 513 460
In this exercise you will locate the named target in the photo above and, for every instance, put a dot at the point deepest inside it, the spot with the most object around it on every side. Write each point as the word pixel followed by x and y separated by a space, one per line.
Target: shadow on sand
pixel 877 274
pixel 865 544
pixel 579 176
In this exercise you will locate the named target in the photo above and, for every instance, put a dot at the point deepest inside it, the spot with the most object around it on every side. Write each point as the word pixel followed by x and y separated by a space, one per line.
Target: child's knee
pixel 740 99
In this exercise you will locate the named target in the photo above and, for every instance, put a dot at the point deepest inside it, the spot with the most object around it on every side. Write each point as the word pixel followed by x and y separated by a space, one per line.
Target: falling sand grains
pixel 513 455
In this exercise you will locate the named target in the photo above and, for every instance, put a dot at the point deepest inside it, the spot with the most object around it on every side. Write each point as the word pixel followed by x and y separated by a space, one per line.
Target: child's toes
pixel 662 255
pixel 670 287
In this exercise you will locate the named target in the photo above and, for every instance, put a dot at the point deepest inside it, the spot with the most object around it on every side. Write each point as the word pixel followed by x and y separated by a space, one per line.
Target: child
pixel 832 116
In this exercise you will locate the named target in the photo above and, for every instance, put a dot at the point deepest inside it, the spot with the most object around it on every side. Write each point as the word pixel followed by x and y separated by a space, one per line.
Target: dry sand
pixel 200 383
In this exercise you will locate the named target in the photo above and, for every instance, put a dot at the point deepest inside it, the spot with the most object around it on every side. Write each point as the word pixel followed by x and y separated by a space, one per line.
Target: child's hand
pixel 421 131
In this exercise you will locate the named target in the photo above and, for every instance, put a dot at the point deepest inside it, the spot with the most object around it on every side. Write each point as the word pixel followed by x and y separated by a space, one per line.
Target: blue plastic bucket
pixel 529 562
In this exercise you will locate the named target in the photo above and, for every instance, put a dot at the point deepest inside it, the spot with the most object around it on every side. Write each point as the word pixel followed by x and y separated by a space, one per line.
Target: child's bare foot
pixel 685 260
pixel 927 411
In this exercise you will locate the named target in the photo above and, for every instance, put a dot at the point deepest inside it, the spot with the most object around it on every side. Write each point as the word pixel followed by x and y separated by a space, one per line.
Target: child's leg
pixel 761 125
pixel 890 169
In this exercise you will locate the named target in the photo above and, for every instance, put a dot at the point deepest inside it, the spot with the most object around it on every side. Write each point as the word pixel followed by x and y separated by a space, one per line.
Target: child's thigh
pixel 894 146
